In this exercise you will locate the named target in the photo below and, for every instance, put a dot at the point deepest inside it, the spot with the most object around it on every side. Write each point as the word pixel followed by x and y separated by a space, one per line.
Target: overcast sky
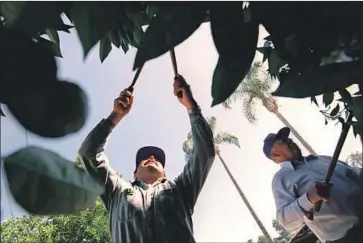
pixel 158 119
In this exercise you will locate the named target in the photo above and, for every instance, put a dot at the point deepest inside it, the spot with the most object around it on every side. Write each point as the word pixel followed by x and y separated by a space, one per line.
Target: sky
pixel 157 118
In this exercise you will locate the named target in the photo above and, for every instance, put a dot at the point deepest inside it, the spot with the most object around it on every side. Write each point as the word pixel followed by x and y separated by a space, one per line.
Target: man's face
pixel 284 150
pixel 149 170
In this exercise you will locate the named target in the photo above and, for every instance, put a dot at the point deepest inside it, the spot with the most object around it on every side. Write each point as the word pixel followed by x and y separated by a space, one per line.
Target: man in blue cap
pixel 151 209
pixel 298 185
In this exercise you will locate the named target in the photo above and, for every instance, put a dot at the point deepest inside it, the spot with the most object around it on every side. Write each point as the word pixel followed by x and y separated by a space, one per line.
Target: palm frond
pixel 212 122
pixel 226 138
pixel 188 149
pixel 248 108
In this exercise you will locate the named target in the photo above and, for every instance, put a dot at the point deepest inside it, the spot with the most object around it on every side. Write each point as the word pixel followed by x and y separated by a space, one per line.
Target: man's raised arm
pixel 91 153
pixel 195 172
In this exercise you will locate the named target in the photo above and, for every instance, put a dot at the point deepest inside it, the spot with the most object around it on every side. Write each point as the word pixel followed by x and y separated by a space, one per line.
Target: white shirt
pixel 337 216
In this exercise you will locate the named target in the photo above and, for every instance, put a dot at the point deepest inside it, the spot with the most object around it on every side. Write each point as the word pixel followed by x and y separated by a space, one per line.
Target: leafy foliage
pixel 90 225
pixel 44 183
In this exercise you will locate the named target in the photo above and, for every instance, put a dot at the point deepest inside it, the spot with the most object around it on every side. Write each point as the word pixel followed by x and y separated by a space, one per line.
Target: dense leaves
pixel 90 225
pixel 235 37
pixel 328 78
pixel 30 88
pixel 44 183
pixel 92 21
pixel 171 26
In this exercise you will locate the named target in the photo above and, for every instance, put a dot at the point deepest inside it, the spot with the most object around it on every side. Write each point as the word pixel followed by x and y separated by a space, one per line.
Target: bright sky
pixel 158 119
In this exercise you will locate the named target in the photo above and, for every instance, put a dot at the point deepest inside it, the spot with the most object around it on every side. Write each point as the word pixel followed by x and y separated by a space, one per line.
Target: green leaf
pixel 105 48
pixel 44 183
pixel 266 51
pixel 151 10
pixel 313 99
pixel 51 47
pixel 170 27
pixel 32 17
pixel 115 37
pixel 93 20
pixel 358 108
pixel 328 98
pixel 325 79
pixel 53 35
pixel 335 111
pixel 124 45
pixel 275 63
pixel 236 47
pixel 346 97
pixel 46 112
pixel 341 120
pixel 25 60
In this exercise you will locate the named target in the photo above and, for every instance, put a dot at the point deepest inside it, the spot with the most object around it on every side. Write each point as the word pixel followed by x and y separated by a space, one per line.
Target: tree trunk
pixel 296 134
pixel 244 198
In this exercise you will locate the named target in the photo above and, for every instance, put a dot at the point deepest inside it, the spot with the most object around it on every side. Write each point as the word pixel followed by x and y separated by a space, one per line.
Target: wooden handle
pixel 175 68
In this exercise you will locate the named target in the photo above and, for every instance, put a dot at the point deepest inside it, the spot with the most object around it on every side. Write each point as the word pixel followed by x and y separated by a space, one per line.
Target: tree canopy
pixel 90 225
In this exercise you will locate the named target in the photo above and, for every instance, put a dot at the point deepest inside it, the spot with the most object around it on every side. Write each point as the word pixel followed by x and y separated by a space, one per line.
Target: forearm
pixel 94 159
pixel 195 172
pixel 291 215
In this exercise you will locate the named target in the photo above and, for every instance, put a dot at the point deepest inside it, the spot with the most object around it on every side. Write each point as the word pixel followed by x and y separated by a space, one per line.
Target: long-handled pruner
pixel 137 74
pixel 175 68
pixel 334 160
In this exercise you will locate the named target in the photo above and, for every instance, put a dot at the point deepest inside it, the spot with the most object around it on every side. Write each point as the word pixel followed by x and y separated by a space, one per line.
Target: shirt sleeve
pixel 290 209
pixel 95 161
pixel 196 170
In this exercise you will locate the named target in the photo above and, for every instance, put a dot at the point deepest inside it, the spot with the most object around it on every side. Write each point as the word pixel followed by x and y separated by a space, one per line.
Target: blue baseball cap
pixel 269 141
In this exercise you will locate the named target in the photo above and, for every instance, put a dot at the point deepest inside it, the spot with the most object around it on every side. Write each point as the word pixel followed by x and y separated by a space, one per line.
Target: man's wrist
pixel 115 118
pixel 193 105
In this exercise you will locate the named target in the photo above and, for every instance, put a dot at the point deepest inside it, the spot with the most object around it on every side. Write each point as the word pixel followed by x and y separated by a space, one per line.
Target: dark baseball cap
pixel 269 141
pixel 147 151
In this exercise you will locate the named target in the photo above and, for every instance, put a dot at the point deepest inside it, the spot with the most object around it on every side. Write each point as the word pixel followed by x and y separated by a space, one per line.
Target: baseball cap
pixel 282 134
pixel 147 151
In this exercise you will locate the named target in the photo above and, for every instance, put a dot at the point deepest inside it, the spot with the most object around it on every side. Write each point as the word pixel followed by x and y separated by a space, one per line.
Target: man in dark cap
pixel 151 209
pixel 298 185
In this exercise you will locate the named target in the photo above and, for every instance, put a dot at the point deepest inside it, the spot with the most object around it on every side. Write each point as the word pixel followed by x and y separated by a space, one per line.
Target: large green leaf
pixel 50 46
pixel 325 79
pixel 328 98
pixel 105 48
pixel 32 17
pixel 275 62
pixel 53 35
pixel 93 20
pixel 335 111
pixel 357 107
pixel 25 65
pixel 236 47
pixel 48 113
pixel 44 183
pixel 170 27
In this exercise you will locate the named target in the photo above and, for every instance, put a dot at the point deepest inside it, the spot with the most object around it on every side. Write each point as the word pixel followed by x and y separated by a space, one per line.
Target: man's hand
pixel 121 106
pixel 318 192
pixel 180 85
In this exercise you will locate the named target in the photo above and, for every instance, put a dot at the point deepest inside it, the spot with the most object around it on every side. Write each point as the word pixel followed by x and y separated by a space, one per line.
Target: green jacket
pixel 158 213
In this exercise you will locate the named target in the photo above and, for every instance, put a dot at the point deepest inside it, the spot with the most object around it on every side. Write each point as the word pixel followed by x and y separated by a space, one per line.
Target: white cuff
pixel 305 203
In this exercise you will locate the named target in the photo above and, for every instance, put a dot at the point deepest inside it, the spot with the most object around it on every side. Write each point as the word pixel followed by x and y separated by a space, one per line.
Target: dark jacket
pixel 158 213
